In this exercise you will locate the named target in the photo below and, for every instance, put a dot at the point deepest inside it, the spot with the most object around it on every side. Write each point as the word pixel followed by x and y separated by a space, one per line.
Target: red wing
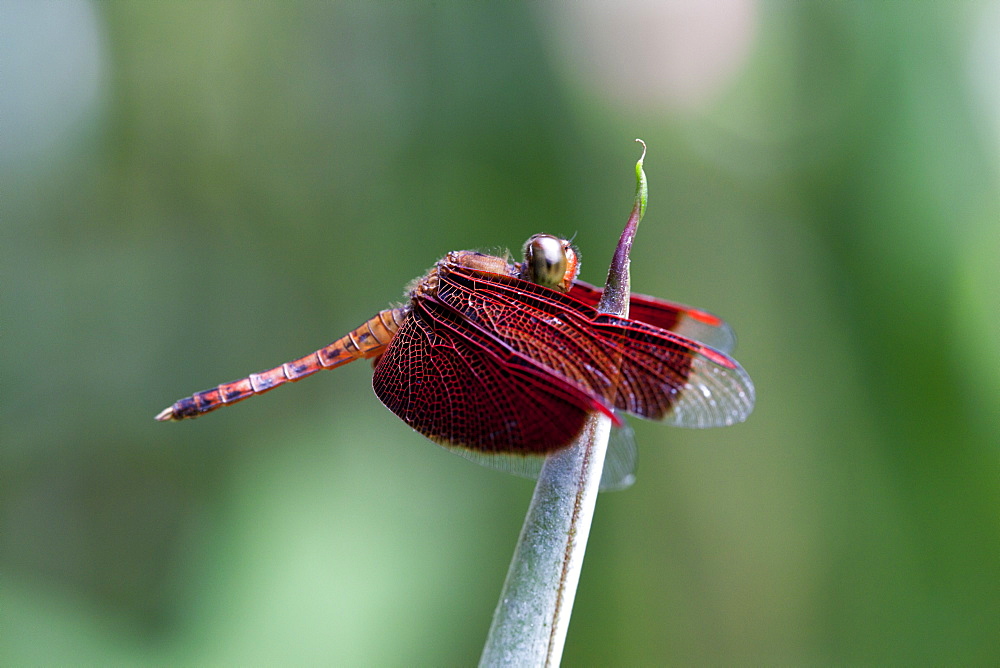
pixel 690 322
pixel 456 384
pixel 675 380
pixel 638 368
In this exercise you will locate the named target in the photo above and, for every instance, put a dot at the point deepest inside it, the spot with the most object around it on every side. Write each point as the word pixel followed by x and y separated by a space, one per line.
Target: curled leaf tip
pixel 640 179
pixel 616 289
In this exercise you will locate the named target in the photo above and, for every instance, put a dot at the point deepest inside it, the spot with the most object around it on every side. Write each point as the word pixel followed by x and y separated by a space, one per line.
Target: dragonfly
pixel 503 362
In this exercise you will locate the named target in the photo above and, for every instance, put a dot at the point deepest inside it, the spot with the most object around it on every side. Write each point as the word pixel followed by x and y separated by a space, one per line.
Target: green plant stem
pixel 530 622
pixel 532 618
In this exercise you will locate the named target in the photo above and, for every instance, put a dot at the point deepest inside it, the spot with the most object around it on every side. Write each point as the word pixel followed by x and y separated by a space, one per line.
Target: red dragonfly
pixel 492 357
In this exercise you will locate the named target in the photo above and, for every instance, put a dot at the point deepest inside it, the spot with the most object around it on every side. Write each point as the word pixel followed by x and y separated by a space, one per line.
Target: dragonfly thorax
pixel 428 284
pixel 548 261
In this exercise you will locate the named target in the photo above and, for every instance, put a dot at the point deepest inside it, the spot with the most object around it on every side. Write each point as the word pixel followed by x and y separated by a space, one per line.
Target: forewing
pixel 670 378
pixel 459 386
pixel 636 367
pixel 687 321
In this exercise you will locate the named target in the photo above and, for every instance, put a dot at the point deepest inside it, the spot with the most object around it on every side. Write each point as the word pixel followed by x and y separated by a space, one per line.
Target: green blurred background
pixel 195 191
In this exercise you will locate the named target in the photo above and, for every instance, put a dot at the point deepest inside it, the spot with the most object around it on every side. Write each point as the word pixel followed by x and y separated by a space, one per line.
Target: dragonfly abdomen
pixel 368 340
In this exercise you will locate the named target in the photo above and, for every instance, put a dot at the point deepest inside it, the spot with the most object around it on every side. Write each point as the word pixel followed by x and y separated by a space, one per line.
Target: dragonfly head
pixel 550 261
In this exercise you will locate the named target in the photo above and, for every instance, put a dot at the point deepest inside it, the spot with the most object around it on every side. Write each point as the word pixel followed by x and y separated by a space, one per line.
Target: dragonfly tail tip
pixel 166 415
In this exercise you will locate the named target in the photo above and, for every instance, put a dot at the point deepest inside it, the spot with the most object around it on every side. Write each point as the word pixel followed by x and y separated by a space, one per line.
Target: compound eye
pixel 549 261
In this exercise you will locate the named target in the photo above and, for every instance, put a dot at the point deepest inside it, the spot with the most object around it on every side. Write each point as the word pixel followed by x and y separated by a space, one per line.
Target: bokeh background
pixel 195 191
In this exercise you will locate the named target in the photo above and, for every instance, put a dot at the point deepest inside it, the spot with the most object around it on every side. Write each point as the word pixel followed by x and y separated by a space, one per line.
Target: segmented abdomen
pixel 368 340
